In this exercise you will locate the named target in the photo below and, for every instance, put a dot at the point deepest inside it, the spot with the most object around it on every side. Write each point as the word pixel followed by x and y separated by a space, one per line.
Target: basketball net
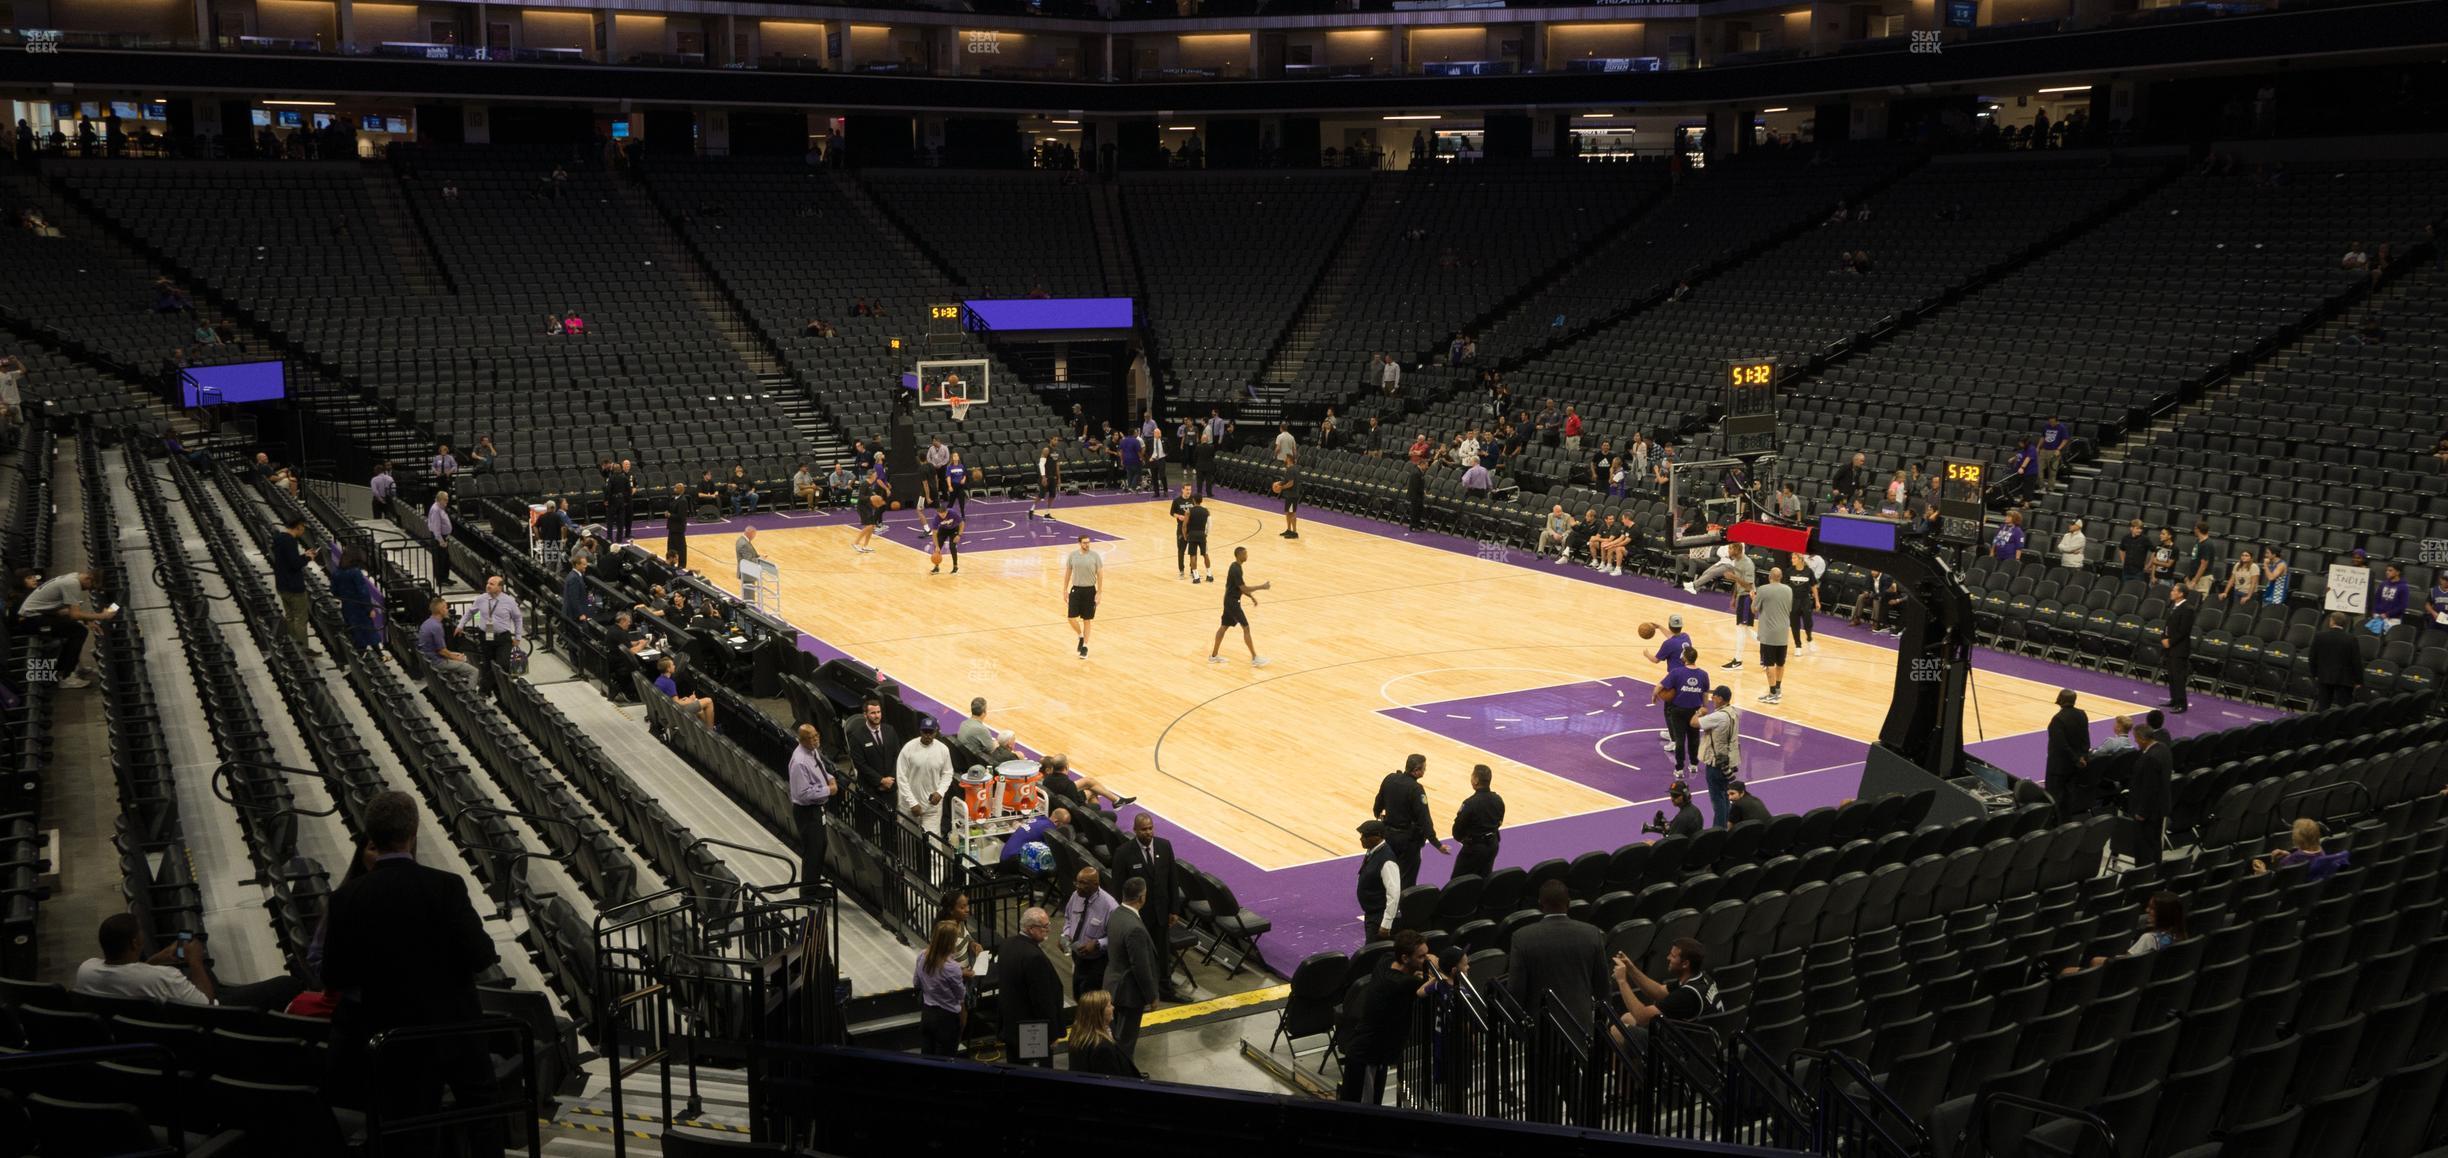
pixel 959 407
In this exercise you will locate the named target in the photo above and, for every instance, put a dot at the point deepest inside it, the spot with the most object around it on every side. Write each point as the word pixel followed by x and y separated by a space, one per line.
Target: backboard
pixel 957 383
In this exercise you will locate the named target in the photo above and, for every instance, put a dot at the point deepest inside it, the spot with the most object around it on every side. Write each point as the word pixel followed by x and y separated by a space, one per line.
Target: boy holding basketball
pixel 871 514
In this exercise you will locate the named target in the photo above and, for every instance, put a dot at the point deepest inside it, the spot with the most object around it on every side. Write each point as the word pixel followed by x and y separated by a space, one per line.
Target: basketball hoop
pixel 959 406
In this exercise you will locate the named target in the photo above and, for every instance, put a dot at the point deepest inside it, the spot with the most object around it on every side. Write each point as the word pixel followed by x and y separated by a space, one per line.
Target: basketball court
pixel 1380 643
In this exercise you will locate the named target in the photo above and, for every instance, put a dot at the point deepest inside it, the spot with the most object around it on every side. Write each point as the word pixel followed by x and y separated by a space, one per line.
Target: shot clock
pixel 1963 487
pixel 1750 406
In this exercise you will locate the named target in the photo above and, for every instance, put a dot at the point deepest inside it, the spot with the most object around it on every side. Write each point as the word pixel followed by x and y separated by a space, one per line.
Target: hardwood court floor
pixel 1278 764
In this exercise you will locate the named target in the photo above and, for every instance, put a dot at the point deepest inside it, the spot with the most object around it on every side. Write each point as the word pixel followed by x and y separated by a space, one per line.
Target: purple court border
pixel 1312 905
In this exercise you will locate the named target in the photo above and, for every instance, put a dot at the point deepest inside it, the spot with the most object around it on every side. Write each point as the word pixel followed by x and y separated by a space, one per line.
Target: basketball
pixel 896 506
pixel 1648 631
pixel 877 501
pixel 1277 488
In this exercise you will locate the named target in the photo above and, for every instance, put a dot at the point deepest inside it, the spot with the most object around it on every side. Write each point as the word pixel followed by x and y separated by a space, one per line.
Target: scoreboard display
pixel 1963 511
pixel 1750 406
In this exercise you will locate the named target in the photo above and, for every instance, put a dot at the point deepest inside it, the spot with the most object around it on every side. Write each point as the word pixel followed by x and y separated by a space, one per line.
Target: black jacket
pixel 874 761
pixel 1129 862
pixel 2069 744
pixel 2336 661
pixel 1480 817
pixel 2180 619
pixel 1564 957
pixel 1029 990
pixel 1131 974
pixel 2152 791
pixel 1403 805
pixel 402 946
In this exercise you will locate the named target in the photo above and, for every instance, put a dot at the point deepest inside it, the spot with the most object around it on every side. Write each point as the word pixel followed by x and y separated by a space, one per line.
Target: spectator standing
pixel 2134 552
pixel 402 947
pixel 1478 826
pixel 2204 559
pixel 2069 755
pixel 1558 963
pixel 289 580
pixel 1720 729
pixel 812 788
pixel 922 775
pixel 496 623
pixel 620 499
pixel 2149 794
pixel 383 486
pixel 360 603
pixel 576 602
pixel 2054 439
pixel 2391 595
pixel 1403 805
pixel 1133 978
pixel 942 981
pixel 2008 543
pixel 1086 917
pixel 675 528
pixel 1030 991
pixel 1386 1009
pixel 2176 641
pixel 438 525
pixel 2336 663
pixel 1149 857
pixel 1380 880
pixel 2073 548
pixel 1389 375
pixel 1285 444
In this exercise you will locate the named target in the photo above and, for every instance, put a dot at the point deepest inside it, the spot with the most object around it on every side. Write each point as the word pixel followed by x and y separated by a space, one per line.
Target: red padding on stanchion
pixel 1791 540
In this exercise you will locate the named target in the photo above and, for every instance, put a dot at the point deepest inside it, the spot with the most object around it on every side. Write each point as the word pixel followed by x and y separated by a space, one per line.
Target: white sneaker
pixel 1215 659
pixel 1771 698
pixel 1615 570
pixel 1258 661
pixel 76 681
pixel 1691 589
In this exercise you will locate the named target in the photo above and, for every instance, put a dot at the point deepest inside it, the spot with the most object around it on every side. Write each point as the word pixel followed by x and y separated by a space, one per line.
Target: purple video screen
pixel 235 382
pixel 1018 314
pixel 1854 531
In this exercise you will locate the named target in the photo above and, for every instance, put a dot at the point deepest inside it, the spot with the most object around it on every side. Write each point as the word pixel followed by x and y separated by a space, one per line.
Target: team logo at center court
pixel 985 43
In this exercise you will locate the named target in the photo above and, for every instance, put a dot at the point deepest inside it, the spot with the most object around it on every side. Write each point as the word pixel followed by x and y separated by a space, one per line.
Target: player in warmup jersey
pixel 956 477
pixel 946 522
pixel 871 514
pixel 1180 512
pixel 1235 588
pixel 1194 541
pixel 1086 570
pixel 1049 477
pixel 1288 489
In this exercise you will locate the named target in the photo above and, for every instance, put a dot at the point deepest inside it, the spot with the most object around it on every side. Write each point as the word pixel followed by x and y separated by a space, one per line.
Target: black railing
pixel 437 1041
pixel 1764 1105
pixel 1857 1118
pixel 2092 1135
pixel 1684 1096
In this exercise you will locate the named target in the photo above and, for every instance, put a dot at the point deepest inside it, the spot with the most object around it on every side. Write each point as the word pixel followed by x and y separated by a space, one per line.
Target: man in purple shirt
pixel 433 639
pixel 2053 440
pixel 1036 829
pixel 1083 930
pixel 2389 600
pixel 445 465
pixel 383 486
pixel 495 623
pixel 1476 482
pixel 438 524
pixel 1129 454
pixel 2009 541
pixel 811 788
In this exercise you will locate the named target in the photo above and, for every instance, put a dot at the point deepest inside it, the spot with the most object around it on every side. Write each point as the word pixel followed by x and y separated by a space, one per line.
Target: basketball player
pixel 1086 570
pixel 1744 620
pixel 1682 692
pixel 1805 585
pixel 1234 589
pixel 1049 477
pixel 1775 603
pixel 1734 561
pixel 956 478
pixel 871 514
pixel 1194 542
pixel 1288 488
pixel 1670 652
pixel 946 520
pixel 1180 510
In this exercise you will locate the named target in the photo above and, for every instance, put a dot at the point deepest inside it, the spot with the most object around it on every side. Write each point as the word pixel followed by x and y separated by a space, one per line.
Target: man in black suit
pixel 1130 972
pixel 620 508
pixel 1403 805
pixel 402 947
pixel 1560 958
pixel 875 751
pixel 1419 498
pixel 2337 664
pixel 2069 754
pixel 2151 794
pixel 1150 857
pixel 2176 641
pixel 1478 825
pixel 1030 990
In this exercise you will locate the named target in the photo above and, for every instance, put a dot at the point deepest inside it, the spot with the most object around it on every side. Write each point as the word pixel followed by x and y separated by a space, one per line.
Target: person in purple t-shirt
pixel 2009 540
pixel 2389 602
pixel 2026 462
pixel 2053 440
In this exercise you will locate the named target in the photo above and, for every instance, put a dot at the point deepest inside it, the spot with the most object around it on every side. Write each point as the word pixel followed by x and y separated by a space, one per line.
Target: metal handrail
pixel 759 890
pixel 1990 1099
pixel 479 1029
pixel 1879 1100
pixel 223 773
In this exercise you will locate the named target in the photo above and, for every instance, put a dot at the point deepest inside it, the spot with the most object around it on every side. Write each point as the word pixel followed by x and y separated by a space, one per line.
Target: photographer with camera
pixel 1686 822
